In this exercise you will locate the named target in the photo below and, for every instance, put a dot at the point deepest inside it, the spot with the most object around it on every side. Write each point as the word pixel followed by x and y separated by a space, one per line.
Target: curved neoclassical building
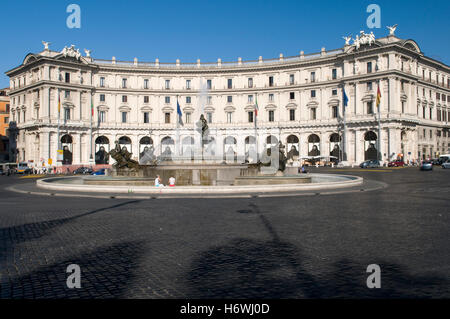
pixel 299 98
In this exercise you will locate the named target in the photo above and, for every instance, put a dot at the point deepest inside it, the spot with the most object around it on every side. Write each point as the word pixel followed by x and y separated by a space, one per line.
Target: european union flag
pixel 345 97
pixel 180 114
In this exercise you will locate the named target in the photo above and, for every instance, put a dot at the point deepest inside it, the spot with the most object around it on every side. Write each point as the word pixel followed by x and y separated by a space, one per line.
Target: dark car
pixel 83 170
pixel 426 166
pixel 396 164
pixel 370 163
pixel 99 172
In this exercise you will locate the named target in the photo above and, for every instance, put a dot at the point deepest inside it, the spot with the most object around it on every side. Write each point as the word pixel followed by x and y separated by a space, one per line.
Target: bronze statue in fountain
pixel 123 158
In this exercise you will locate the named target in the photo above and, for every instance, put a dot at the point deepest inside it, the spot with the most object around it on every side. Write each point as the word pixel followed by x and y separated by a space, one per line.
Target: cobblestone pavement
pixel 286 247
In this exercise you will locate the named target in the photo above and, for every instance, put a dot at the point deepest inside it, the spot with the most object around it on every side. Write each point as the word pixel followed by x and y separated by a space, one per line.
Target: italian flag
pixel 92 108
pixel 256 106
pixel 378 96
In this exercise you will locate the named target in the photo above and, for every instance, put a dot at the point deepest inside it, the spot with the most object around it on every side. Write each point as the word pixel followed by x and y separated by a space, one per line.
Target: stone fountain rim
pixel 348 181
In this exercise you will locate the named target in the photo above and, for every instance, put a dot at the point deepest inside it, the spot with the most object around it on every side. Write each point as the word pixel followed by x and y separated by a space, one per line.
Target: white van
pixel 444 158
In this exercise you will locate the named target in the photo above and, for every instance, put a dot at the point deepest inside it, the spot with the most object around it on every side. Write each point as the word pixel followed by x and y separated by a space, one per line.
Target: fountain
pixel 199 168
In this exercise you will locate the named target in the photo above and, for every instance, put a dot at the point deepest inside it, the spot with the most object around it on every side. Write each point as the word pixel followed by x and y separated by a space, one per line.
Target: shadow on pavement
pixel 106 272
pixel 248 268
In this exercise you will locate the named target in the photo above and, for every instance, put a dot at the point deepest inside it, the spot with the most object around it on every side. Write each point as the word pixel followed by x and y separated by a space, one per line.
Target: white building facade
pixel 299 99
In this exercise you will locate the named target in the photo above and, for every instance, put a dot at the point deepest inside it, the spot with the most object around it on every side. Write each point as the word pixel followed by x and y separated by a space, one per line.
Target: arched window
pixel 101 150
pixel 66 141
pixel 292 142
pixel 124 140
pixel 371 152
pixel 313 145
pixel 335 148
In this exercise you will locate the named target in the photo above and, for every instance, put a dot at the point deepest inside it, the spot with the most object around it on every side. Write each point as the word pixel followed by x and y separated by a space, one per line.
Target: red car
pixel 396 164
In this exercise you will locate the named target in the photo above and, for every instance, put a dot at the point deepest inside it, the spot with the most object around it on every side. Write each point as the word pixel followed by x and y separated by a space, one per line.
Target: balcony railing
pixel 230 64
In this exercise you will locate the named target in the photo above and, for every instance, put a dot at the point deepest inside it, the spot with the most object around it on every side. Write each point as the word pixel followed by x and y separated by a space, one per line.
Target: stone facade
pixel 299 98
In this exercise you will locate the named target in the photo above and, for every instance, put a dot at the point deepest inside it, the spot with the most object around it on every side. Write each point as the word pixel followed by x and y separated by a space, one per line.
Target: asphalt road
pixel 315 246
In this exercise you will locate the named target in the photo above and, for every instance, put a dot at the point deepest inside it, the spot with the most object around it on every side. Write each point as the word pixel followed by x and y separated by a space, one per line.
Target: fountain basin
pixel 78 184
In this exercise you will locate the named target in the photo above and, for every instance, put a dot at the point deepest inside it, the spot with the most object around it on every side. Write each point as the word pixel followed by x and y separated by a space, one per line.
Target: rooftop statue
pixel 392 29
pixel 347 40
pixel 46 44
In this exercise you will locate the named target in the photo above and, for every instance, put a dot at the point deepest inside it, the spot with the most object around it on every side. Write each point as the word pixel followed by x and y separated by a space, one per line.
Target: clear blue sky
pixel 211 29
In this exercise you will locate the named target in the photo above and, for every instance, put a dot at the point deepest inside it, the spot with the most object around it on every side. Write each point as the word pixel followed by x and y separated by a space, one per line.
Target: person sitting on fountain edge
pixel 158 181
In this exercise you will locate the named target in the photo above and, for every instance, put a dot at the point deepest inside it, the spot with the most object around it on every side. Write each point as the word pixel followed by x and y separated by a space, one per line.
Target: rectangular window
pixel 370 107
pixel 270 80
pixel 292 115
pixel 271 116
pixel 6 120
pixel 250 99
pixel 334 112
pixel 250 82
pixel 271 97
pixel 145 84
pixel 124 83
pixel 102 116
pixel 188 84
pixel 229 117
pixel 124 98
pixel 167 118
pixel 313 77
pixel 209 117
pixel 102 97
pixel 291 79
pixel 369 67
pixel 146 99
pixel 313 93
pixel 146 117
pixel 230 83
pixel 102 82
pixel 66 114
pixel 209 100
pixel 291 95
pixel 313 113
pixel 369 86
pixel 167 99
pixel 167 84
pixel 334 74
pixel 334 92
pixel 188 118
pixel 403 107
pixel 209 84
pixel 188 100
pixel 229 99
pixel 67 78
pixel 124 117
pixel 66 94
pixel 250 117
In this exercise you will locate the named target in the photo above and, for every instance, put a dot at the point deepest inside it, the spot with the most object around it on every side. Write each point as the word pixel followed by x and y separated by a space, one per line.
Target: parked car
pixel 446 164
pixel 396 164
pixel 99 172
pixel 83 170
pixel 426 166
pixel 436 161
pixel 370 164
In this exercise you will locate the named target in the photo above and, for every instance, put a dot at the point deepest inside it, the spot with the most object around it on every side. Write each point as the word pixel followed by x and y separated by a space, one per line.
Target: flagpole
pixel 90 142
pixel 379 156
pixel 57 131
pixel 256 128
pixel 177 145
